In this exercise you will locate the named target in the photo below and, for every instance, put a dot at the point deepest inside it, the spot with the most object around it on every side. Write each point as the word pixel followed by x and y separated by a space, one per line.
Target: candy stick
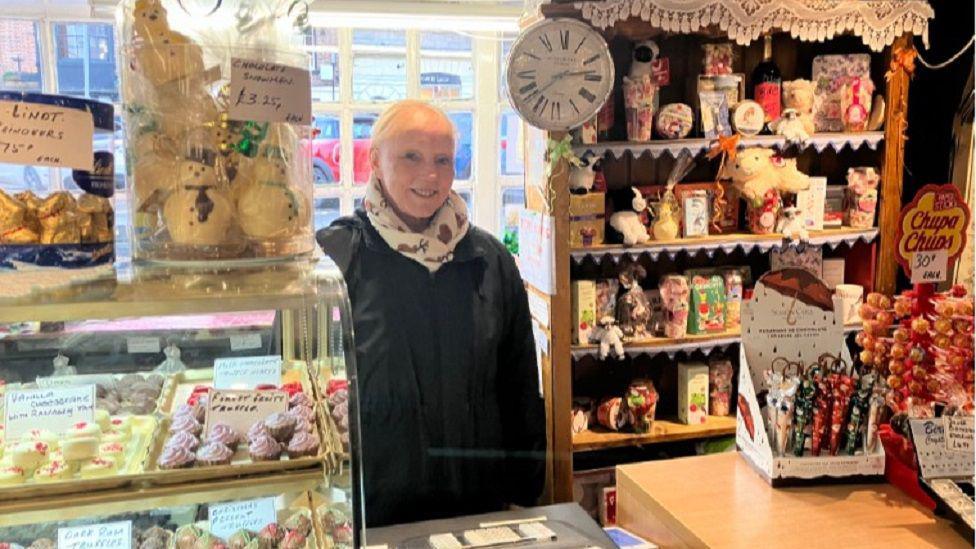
pixel 874 415
pixel 842 387
pixel 821 412
pixel 806 394
pixel 774 380
pixel 784 415
pixel 859 409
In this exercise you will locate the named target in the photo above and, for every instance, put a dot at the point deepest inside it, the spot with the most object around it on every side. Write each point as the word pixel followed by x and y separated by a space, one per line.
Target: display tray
pixel 241 462
pixel 137 448
pixel 662 430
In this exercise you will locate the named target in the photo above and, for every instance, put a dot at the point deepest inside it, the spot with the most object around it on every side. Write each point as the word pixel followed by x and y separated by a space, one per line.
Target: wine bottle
pixel 767 83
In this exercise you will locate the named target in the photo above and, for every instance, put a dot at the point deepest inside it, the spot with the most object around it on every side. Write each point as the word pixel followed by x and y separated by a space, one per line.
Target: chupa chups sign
pixel 932 232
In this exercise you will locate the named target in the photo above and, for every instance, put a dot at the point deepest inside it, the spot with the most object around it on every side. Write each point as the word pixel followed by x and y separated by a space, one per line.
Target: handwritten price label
pixel 109 535
pixel 929 266
pixel 252 514
pixel 247 372
pixel 45 135
pixel 270 92
pixel 51 409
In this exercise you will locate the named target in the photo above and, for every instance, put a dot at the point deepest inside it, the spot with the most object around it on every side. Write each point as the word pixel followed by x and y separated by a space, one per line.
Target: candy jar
pixel 641 404
pixel 762 218
pixel 862 197
pixel 719 387
pixel 214 174
pixel 675 293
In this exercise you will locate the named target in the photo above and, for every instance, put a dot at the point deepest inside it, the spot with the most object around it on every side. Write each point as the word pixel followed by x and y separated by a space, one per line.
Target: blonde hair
pixel 392 117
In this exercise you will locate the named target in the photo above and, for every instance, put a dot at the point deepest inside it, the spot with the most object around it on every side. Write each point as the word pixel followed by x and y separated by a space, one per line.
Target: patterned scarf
pixel 432 247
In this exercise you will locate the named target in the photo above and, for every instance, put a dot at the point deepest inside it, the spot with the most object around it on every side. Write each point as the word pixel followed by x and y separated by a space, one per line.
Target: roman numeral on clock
pixel 554 110
pixel 592 77
pixel 573 104
pixel 529 97
pixel 545 41
pixel 564 39
pixel 580 45
pixel 526 74
pixel 587 94
pixel 591 59
pixel 540 104
pixel 527 88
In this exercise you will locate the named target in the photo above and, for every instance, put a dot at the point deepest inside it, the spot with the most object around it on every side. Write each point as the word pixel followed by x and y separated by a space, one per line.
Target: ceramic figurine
pixel 633 307
pixel 643 57
pixel 665 226
pixel 581 176
pixel 790 224
pixel 610 337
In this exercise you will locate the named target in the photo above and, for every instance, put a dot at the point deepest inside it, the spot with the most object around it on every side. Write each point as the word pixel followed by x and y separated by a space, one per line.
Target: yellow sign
pixel 935 221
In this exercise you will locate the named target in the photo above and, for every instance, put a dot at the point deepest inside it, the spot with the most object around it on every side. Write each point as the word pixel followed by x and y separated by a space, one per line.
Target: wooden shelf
pixel 674 147
pixel 706 343
pixel 663 430
pixel 726 243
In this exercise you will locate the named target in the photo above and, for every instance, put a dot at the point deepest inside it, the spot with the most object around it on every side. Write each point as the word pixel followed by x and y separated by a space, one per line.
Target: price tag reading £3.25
pixel 262 91
pixel 929 267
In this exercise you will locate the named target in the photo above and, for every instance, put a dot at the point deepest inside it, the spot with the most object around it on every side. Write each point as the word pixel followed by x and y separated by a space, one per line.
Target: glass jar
pixel 204 185
pixel 55 200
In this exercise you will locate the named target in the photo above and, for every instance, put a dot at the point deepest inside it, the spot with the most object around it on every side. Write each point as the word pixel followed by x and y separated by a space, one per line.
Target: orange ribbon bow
pixel 902 59
pixel 727 145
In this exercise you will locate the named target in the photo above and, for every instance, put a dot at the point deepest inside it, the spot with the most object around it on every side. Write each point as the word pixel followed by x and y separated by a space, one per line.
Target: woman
pixel 452 419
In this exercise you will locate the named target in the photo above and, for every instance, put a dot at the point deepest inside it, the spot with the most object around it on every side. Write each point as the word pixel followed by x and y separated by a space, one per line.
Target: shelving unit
pixel 663 430
pixel 885 26
pixel 674 148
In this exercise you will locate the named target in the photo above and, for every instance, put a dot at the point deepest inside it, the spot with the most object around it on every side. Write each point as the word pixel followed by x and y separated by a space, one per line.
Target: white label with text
pixel 51 409
pixel 245 342
pixel 959 434
pixel 142 344
pixel 108 535
pixel 262 91
pixel 247 372
pixel 929 267
pixel 252 514
pixel 46 135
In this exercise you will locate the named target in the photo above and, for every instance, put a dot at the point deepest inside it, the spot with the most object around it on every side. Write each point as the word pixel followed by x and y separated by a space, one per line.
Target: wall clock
pixel 559 74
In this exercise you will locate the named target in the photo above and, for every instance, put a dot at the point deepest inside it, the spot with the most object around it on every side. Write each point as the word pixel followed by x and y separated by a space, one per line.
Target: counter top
pixel 720 501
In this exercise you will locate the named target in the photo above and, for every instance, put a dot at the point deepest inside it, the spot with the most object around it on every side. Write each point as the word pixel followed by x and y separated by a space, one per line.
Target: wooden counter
pixel 720 501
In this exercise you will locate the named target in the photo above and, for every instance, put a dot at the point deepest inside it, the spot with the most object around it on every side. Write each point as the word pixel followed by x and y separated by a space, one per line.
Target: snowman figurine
pixel 198 213
pixel 267 206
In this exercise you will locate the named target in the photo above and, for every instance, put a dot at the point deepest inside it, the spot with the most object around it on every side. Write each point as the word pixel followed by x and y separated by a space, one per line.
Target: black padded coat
pixel 452 420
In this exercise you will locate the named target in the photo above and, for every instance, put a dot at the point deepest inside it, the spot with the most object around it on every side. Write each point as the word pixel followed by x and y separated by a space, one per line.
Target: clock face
pixel 559 74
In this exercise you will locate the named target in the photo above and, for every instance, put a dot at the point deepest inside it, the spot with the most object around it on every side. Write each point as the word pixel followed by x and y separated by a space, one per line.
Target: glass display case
pixel 152 397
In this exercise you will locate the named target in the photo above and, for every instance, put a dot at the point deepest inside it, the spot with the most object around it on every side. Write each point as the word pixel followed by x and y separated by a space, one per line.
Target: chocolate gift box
pixel 587 214
pixel 706 311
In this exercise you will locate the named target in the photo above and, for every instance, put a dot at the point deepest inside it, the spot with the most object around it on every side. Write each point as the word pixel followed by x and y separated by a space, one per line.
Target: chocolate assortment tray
pixel 183 451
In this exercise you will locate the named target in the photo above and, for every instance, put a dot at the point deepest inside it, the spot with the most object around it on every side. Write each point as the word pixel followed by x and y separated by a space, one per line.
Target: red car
pixel 327 149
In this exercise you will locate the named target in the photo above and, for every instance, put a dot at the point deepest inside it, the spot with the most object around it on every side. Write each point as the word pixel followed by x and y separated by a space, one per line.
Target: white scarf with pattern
pixel 432 247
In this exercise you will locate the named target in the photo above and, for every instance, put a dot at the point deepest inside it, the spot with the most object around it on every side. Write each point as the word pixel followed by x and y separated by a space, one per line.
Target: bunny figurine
pixel 633 307
pixel 629 224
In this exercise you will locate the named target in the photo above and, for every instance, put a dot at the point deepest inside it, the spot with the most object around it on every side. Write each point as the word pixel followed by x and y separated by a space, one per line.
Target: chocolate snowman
pixel 268 207
pixel 163 55
pixel 198 213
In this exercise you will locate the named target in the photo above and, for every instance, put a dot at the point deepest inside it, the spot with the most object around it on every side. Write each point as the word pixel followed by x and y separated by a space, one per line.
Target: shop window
pixel 510 156
pixel 446 66
pixel 362 128
pixel 20 57
pixel 326 149
pixel 326 211
pixel 85 60
pixel 463 122
pixel 513 202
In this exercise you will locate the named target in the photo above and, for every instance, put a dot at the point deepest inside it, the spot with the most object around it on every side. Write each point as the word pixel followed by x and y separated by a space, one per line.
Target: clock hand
pixel 557 77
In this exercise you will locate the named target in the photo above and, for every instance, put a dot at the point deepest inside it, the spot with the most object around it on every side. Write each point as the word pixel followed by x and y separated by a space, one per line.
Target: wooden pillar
pixel 892 172
pixel 561 448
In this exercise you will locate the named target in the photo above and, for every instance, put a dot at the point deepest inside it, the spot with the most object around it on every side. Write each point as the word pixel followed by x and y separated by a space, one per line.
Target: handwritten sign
pixel 252 514
pixel 108 535
pixel 935 221
pixel 142 344
pixel 74 381
pixel 247 372
pixel 46 135
pixel 245 342
pixel 935 461
pixel 269 92
pixel 240 409
pixel 537 258
pixel 51 409
pixel 930 267
pixel 959 434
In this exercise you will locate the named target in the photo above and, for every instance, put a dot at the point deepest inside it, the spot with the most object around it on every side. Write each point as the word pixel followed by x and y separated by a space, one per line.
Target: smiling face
pixel 414 162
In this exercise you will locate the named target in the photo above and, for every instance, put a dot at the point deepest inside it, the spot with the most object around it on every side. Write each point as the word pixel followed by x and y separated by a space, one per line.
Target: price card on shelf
pixel 262 91
pixel 46 135
pixel 246 372
pixel 935 461
pixel 241 409
pixel 959 434
pixel 142 344
pixel 930 266
pixel 245 342
pixel 51 409
pixel 252 514
pixel 107 535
